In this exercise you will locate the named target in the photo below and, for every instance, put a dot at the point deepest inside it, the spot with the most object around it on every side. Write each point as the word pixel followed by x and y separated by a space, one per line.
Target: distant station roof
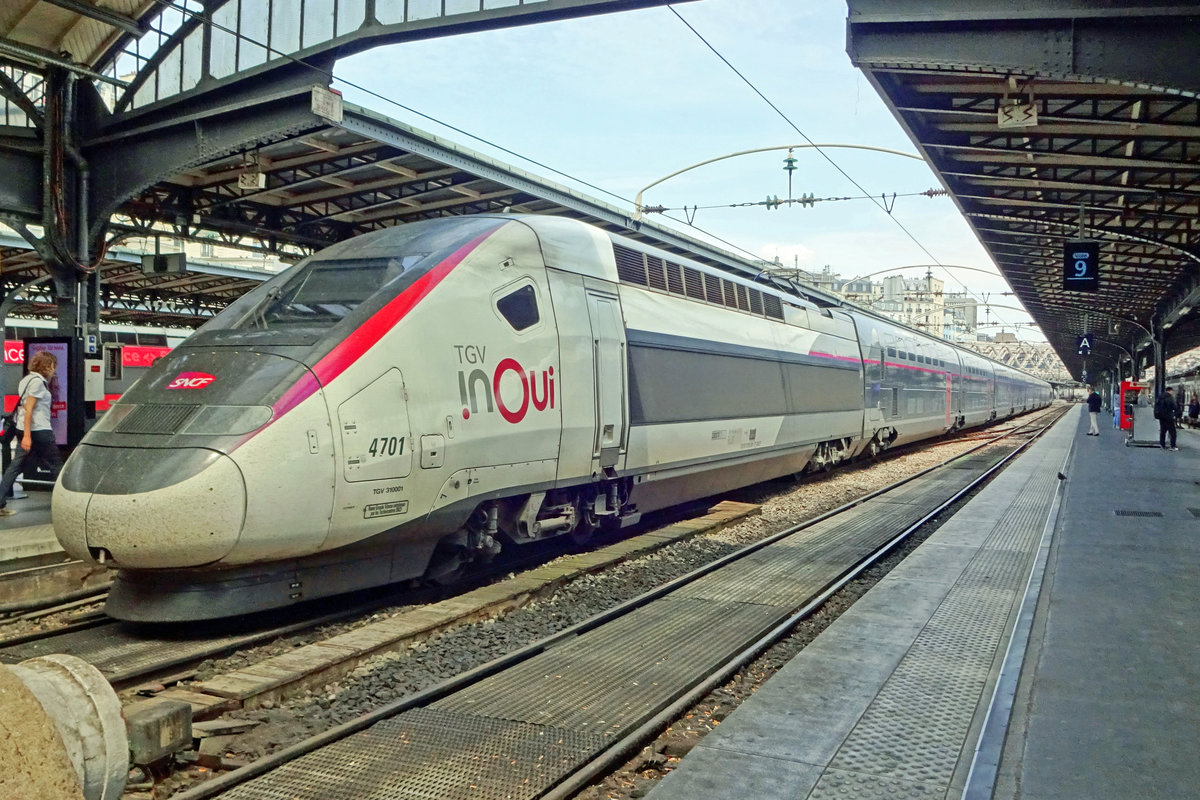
pixel 323 182
pixel 131 296
pixel 1056 120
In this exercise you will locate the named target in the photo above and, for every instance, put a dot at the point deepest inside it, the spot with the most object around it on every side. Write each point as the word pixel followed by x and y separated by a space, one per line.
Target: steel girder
pixel 231 41
pixel 1126 41
pixel 130 158
pixel 21 188
pixel 1112 155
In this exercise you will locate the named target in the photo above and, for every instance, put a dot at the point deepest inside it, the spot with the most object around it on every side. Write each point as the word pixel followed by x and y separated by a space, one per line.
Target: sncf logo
pixel 191 380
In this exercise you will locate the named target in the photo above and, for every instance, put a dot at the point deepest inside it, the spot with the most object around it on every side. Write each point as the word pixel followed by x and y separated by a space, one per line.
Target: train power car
pixel 408 401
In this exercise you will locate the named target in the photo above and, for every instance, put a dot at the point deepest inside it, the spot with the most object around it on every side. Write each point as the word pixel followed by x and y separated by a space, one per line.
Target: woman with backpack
pixel 32 417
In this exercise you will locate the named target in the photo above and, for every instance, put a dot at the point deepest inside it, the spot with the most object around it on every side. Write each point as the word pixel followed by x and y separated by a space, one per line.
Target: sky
pixel 620 100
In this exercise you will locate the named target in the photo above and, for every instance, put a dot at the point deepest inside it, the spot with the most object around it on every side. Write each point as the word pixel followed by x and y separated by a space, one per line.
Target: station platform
pixel 1043 643
pixel 28 533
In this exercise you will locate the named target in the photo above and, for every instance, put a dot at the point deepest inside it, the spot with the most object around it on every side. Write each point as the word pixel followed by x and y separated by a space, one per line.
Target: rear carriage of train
pixel 916 386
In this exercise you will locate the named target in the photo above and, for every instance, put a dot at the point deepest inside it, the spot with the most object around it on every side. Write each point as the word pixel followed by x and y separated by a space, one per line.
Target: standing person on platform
pixel 1093 403
pixel 1193 409
pixel 1165 410
pixel 33 424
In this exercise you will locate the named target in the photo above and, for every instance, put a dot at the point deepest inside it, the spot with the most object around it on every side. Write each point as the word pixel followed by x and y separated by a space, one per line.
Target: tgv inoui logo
pixel 478 384
pixel 191 380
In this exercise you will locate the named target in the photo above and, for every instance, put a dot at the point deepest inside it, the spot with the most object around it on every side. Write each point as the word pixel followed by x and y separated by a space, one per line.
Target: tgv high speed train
pixel 415 398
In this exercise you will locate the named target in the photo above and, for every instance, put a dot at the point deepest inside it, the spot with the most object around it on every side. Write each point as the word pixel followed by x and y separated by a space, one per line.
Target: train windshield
pixel 328 290
pixel 341 283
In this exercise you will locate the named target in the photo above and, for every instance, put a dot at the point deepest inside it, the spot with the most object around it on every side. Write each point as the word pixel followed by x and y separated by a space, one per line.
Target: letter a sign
pixel 1081 266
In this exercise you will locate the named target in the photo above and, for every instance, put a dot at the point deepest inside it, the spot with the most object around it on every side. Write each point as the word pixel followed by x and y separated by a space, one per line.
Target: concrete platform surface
pixel 28 532
pixel 1108 705
pixel 1044 643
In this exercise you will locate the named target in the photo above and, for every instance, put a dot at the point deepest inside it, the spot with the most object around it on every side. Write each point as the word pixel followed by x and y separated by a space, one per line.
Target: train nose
pixel 147 508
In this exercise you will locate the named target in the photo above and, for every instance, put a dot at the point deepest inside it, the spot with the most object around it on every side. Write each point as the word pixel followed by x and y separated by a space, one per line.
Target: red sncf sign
pixel 191 380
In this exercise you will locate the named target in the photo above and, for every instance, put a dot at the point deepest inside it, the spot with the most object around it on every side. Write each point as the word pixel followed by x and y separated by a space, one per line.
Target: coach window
pixel 520 308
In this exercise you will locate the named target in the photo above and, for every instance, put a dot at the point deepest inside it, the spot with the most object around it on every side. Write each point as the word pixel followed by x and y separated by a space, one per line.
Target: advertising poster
pixel 60 349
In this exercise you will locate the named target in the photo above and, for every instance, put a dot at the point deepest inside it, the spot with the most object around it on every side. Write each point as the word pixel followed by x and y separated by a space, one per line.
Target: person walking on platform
pixel 1165 410
pixel 1093 403
pixel 6 439
pixel 33 424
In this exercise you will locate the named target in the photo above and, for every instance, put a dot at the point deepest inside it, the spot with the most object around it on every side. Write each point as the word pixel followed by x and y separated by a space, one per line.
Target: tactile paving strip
pixel 909 740
pixel 428 754
pixel 851 786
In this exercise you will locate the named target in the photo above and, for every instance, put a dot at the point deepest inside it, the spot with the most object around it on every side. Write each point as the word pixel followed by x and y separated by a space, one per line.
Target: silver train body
pixel 417 397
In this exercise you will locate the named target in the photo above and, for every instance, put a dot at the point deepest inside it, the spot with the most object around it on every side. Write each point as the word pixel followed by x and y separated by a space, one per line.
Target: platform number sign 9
pixel 1081 265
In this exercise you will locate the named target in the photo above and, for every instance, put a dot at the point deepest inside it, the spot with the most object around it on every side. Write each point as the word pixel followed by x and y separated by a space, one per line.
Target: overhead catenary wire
pixel 823 154
pixel 776 202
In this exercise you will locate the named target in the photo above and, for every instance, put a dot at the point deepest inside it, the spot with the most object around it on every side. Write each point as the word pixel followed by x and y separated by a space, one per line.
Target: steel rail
pixel 218 785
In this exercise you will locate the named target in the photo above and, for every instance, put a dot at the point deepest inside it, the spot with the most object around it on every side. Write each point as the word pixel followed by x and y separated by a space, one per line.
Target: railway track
pixel 42 588
pixel 547 719
pixel 128 654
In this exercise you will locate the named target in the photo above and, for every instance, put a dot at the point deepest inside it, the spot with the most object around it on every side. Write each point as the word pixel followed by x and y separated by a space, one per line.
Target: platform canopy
pixel 1056 121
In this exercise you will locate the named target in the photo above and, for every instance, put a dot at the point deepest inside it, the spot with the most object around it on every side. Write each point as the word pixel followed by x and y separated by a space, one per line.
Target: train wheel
pixel 448 565
pixel 584 535
pixel 585 530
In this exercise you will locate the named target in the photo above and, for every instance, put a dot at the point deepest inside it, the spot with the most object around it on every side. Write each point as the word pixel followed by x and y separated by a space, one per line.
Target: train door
pixel 376 443
pixel 608 359
pixel 949 401
pixel 377 453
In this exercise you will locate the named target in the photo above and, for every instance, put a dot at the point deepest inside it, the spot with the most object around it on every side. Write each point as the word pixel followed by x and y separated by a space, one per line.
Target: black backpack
pixel 1160 407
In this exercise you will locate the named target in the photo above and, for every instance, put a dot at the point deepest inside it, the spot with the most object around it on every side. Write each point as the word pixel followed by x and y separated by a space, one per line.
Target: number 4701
pixel 387 446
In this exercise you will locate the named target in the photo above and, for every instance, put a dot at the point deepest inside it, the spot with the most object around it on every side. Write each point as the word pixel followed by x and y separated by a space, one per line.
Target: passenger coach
pixel 405 402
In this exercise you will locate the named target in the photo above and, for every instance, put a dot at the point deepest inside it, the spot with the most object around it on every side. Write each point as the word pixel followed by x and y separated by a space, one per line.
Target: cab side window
pixel 519 308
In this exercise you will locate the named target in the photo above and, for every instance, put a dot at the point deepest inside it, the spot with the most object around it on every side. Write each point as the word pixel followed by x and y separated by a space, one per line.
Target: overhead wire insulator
pixel 789 165
pixel 806 200
pixel 772 202
pixel 654 209
pixel 935 192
